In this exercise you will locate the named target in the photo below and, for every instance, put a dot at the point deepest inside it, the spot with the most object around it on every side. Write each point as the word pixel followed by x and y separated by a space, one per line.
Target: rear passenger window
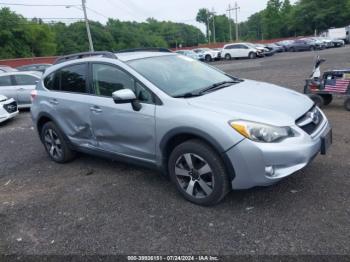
pixel 73 78
pixel 51 82
pixel 25 80
pixel 5 81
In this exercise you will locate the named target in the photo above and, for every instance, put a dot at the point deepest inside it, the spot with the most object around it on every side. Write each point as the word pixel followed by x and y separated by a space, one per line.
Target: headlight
pixel 261 132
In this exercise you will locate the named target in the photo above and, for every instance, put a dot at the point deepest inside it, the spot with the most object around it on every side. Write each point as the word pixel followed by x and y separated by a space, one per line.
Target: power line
pixel 96 12
pixel 37 5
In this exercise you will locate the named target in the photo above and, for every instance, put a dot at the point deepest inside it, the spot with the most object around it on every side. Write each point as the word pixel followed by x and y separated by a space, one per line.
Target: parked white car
pixel 240 50
pixel 8 108
pixel 191 54
pixel 19 85
pixel 209 54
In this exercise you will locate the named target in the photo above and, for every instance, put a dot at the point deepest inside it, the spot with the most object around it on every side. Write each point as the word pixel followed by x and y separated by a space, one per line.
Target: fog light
pixel 270 171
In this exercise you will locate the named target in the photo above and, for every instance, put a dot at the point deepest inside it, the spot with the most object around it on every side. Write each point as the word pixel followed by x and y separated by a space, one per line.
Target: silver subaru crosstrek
pixel 209 131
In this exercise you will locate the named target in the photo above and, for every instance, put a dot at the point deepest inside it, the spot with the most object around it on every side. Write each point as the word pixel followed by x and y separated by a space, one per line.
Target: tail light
pixel 33 95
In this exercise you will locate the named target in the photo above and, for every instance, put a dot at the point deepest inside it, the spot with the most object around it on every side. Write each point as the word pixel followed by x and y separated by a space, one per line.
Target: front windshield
pixel 178 75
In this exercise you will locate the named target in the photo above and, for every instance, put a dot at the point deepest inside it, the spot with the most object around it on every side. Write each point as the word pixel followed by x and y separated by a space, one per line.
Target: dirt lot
pixel 94 205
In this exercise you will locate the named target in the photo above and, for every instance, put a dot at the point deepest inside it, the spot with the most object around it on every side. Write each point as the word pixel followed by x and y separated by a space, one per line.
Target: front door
pixel 118 128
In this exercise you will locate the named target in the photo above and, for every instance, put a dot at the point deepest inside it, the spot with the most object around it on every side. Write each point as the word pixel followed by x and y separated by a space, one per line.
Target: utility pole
pixel 213 13
pixel 87 26
pixel 236 8
pixel 229 20
pixel 208 28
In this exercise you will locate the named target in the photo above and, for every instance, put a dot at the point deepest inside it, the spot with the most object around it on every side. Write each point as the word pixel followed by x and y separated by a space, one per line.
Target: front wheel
pixel 198 173
pixel 208 58
pixel 252 55
pixel 55 144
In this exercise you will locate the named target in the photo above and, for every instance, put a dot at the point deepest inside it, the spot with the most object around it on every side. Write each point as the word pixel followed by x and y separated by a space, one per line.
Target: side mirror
pixel 126 96
pixel 123 96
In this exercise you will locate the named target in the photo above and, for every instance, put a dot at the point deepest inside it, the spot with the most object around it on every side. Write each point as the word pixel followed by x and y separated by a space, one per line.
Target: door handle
pixel 53 101
pixel 95 109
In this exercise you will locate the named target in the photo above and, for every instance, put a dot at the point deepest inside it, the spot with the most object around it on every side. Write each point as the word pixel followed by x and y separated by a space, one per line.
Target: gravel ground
pixel 97 206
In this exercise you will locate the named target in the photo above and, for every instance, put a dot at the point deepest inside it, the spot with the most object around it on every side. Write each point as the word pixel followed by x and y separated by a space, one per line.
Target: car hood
pixel 3 98
pixel 256 101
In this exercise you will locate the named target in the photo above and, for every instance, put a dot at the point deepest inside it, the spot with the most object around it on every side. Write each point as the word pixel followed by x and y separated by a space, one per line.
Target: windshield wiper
pixel 218 85
pixel 188 95
pixel 211 88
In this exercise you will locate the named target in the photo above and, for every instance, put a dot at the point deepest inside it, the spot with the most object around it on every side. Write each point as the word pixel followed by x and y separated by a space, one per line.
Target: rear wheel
pixel 347 104
pixel 318 100
pixel 55 144
pixel 228 57
pixel 198 173
pixel 252 55
pixel 327 98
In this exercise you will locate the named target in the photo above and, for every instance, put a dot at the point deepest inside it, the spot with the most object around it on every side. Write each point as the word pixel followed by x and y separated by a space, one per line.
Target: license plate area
pixel 326 141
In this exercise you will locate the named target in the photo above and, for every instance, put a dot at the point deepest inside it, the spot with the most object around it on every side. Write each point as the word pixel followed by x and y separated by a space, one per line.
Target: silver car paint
pixel 21 93
pixel 142 135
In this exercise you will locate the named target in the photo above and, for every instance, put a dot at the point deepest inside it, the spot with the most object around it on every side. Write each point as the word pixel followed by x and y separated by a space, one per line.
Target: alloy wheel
pixel 194 175
pixel 53 144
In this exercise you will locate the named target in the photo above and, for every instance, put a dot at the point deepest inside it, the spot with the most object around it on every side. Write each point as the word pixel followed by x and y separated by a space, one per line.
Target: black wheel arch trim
pixel 52 119
pixel 196 133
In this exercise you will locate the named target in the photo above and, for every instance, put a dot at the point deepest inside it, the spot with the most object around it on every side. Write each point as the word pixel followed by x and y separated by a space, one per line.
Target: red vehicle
pixel 333 83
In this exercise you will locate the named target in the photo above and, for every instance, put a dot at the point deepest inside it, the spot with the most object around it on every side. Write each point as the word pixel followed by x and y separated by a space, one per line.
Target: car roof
pixel 128 56
pixel 32 73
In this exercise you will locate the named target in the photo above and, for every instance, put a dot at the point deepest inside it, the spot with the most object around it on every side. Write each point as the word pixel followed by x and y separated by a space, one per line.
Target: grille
pixel 310 121
pixel 11 107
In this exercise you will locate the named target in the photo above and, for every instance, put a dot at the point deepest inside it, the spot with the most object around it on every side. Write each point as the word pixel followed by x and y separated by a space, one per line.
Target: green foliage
pixel 281 19
pixel 22 38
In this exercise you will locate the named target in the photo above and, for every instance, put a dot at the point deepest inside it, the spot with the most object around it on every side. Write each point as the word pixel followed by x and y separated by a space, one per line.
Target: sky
pixel 134 10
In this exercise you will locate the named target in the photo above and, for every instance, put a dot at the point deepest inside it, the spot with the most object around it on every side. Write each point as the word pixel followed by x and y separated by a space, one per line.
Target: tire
pixel 318 100
pixel 55 144
pixel 228 57
pixel 292 49
pixel 312 48
pixel 327 99
pixel 252 55
pixel 208 58
pixel 186 163
pixel 347 104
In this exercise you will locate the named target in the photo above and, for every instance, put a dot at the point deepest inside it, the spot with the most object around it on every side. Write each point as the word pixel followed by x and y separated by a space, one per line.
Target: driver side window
pixel 107 79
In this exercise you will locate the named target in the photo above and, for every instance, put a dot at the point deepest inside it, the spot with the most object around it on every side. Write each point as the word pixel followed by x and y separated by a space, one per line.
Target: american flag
pixel 337 85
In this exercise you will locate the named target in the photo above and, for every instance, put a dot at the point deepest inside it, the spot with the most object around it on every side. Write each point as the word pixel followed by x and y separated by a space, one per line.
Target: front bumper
pixel 5 114
pixel 263 164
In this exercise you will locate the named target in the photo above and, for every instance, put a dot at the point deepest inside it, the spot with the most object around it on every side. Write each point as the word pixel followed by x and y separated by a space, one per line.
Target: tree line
pixel 22 38
pixel 280 19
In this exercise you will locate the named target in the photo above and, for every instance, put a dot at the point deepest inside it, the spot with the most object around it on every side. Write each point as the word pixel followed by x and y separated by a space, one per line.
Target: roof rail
pixel 83 55
pixel 145 49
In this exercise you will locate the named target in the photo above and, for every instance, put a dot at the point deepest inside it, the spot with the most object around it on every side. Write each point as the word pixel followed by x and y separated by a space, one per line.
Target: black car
pixel 302 45
pixel 34 67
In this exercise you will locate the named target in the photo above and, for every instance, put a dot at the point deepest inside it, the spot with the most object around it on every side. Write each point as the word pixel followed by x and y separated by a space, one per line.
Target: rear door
pixel 7 87
pixel 24 84
pixel 68 102
pixel 118 128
